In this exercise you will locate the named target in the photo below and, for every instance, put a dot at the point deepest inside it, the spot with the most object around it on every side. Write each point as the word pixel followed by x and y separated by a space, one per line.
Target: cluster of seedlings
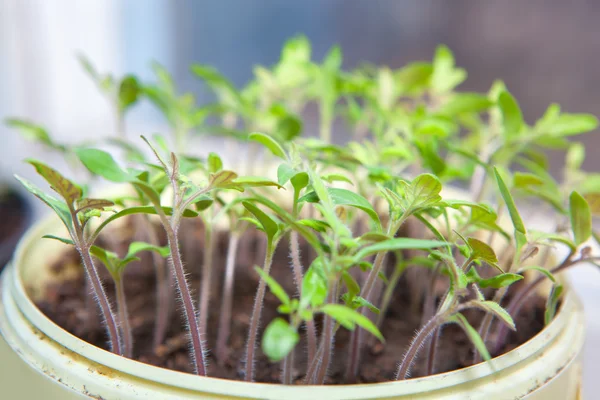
pixel 338 208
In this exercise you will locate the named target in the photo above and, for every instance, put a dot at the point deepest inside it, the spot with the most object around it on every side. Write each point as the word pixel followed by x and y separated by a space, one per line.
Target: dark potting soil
pixel 70 306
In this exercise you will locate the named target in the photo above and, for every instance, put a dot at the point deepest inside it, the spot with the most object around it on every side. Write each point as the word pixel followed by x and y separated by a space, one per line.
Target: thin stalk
pixel 124 319
pixel 207 268
pixel 328 337
pixel 432 350
pixel 484 328
pixel 227 300
pixel 164 290
pixel 288 365
pixel 100 295
pixel 256 313
pixel 416 345
pixel 186 299
pixel 389 291
pixel 311 333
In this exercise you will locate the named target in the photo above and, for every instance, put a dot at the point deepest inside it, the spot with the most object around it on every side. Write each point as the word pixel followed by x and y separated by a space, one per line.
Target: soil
pixel 14 216
pixel 69 305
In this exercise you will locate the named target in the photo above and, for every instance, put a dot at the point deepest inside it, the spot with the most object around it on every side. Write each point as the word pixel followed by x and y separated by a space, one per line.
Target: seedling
pixel 357 215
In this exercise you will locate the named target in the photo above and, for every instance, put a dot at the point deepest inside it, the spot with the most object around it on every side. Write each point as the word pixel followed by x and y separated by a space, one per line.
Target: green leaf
pixel 139 210
pixel 499 281
pixel 137 247
pixel 572 124
pixel 349 318
pixel 102 163
pixel 472 334
pixel 358 301
pixel 552 303
pixel 512 117
pixel 495 309
pixel 300 181
pixel 336 178
pixel 482 251
pixel 510 204
pixel 343 197
pixel 269 143
pixel 97 204
pixel 61 185
pixel 129 91
pixel 524 179
pixel 222 179
pixel 279 339
pixel 317 225
pixel 351 284
pixel 542 270
pixel 465 103
pixel 398 244
pixel 60 239
pixel 251 181
pixel 275 287
pixel 424 191
pixel 581 218
pixel 31 131
pixel 56 205
pixel 215 164
pixel 445 76
pixel 285 173
pixel 314 289
pixel 269 225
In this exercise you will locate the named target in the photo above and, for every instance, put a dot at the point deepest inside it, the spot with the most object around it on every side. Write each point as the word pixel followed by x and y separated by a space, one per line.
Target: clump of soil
pixel 69 305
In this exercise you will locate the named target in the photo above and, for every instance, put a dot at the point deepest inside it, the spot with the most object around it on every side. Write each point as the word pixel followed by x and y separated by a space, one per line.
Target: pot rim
pixel 519 355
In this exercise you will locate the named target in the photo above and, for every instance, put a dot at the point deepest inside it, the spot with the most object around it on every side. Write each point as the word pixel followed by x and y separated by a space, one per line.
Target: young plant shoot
pixel 377 234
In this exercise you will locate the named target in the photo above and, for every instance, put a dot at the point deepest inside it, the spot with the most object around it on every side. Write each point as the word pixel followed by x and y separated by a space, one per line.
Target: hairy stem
pixel 288 365
pixel 100 295
pixel 124 319
pixel 227 300
pixel 207 268
pixel 311 333
pixel 416 345
pixel 164 290
pixel 328 337
pixel 432 350
pixel 188 304
pixel 256 314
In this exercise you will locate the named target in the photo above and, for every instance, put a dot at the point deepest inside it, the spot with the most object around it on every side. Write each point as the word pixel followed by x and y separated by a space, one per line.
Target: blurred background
pixel 545 51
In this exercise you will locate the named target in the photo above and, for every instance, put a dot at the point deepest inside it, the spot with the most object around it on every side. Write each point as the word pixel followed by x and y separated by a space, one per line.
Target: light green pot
pixel 39 360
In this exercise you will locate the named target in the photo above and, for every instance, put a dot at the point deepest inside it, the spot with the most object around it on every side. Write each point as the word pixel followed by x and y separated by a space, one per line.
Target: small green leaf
pixel 398 244
pixel 222 179
pixel 482 251
pixel 499 281
pixel 336 178
pixel 137 247
pixel 300 181
pixel 129 91
pixel 512 117
pixel 572 124
pixel 317 225
pixel 358 301
pixel 510 204
pixel 351 284
pixel 97 204
pixel 343 197
pixel 284 173
pixel 581 218
pixel 423 191
pixel 495 309
pixel 60 239
pixel 275 287
pixel 269 143
pixel 279 339
pixel 472 334
pixel 61 185
pixel 215 164
pixel 102 163
pixel 349 318
pixel 31 131
pixel 542 270
pixel 269 225
pixel 445 76
pixel 56 205
pixel 552 303
pixel 314 289
pixel 523 179
pixel 465 103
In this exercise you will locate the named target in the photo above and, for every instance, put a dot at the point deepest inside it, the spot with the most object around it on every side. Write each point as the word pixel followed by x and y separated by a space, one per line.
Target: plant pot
pixel 41 360
pixel 16 215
